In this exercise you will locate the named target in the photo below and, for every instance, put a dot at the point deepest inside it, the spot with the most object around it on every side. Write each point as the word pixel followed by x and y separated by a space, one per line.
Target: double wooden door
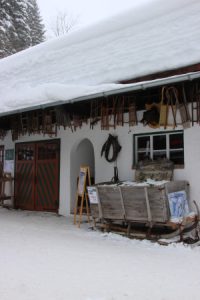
pixel 37 175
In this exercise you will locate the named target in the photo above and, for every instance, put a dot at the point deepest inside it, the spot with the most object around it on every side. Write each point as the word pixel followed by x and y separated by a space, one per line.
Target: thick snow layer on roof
pixel 158 36
pixel 45 94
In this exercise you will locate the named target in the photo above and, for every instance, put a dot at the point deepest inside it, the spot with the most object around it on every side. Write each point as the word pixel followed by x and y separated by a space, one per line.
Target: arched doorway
pixel 81 154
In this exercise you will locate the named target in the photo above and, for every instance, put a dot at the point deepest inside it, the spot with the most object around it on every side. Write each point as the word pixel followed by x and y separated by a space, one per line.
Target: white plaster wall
pixel 191 171
pixel 104 170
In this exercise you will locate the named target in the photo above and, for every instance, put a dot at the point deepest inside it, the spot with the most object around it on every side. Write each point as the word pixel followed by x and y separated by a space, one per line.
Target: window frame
pixel 168 150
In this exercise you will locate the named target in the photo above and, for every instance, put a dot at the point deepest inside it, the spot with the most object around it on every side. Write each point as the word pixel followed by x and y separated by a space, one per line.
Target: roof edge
pixel 128 88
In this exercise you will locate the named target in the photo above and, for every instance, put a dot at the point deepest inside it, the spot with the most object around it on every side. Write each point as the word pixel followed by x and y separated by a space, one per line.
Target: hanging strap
pixel 172 94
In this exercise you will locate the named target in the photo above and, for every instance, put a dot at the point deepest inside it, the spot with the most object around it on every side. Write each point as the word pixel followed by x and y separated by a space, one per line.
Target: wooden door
pixel 37 176
pixel 47 176
pixel 24 175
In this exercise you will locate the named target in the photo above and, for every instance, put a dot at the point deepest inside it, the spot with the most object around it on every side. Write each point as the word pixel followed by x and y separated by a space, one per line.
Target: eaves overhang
pixel 118 90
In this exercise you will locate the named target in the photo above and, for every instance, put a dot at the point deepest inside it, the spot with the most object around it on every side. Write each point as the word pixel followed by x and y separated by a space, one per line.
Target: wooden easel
pixel 84 180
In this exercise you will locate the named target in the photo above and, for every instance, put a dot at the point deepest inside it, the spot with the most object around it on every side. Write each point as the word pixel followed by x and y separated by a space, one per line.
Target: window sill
pixel 176 167
pixel 179 167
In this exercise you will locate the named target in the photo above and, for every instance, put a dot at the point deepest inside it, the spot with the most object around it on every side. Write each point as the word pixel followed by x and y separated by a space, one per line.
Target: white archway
pixel 81 154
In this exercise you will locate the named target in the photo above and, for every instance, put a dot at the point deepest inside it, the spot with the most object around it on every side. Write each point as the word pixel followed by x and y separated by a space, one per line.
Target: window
pixel 160 145
pixel 25 152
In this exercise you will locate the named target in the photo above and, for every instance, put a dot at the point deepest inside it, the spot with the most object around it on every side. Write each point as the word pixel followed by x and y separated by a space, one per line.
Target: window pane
pixel 25 153
pixel 159 142
pixel 143 156
pixel 159 154
pixel 176 141
pixel 46 152
pixel 144 143
pixel 177 157
pixel 159 146
pixel 143 151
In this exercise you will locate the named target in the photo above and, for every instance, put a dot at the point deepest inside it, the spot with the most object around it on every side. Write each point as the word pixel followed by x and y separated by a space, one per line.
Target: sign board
pixel 9 166
pixel 82 180
pixel 9 154
pixel 92 194
pixel 178 204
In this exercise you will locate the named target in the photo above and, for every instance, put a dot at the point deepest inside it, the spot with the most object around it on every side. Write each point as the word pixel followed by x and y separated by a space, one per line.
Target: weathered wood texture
pixel 175 186
pixel 94 210
pixel 158 204
pixel 142 175
pixel 111 202
pixel 156 170
pixel 136 203
pixel 178 71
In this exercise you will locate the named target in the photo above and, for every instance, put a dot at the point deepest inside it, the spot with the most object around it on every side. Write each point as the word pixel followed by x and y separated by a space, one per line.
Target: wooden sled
pixel 141 212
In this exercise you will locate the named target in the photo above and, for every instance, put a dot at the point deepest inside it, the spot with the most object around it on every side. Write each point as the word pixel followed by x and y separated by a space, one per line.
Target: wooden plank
pixel 111 204
pixel 122 202
pixel 149 216
pixel 158 203
pixel 132 114
pixel 184 115
pixel 178 185
pixel 94 210
pixel 134 203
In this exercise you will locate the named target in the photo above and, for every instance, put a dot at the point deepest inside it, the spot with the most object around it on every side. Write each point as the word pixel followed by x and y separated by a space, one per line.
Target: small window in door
pixel 46 152
pixel 25 153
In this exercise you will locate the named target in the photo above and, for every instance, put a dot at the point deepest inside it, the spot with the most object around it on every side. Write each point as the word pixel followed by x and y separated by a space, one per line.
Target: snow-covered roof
pixel 155 37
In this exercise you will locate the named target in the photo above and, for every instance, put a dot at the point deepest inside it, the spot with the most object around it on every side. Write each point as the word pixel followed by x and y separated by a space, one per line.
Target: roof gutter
pixel 128 88
pixel 140 86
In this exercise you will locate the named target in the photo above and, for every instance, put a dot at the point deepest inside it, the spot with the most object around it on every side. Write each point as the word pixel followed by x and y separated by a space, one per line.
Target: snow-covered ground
pixel 44 256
